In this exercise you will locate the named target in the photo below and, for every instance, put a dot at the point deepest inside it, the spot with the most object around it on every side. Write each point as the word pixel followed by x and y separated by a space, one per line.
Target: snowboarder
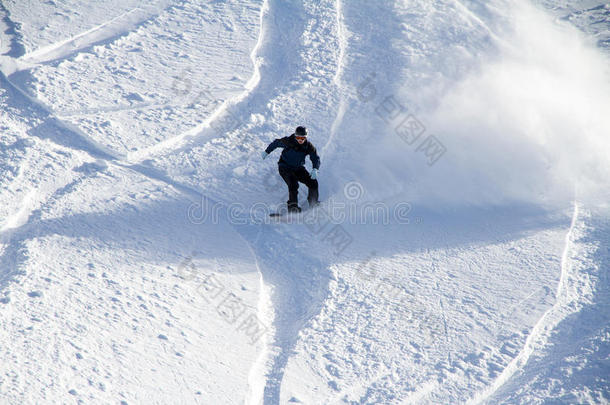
pixel 292 166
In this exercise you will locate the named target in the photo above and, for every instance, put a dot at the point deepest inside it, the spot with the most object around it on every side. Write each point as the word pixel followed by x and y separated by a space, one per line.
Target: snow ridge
pixel 203 131
pixel 293 305
pixel 56 129
pixel 338 77
pixel 257 377
pixel 104 32
pixel 454 305
pixel 549 320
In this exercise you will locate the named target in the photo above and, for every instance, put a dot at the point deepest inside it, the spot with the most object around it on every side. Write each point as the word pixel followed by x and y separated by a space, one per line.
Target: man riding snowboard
pixel 292 166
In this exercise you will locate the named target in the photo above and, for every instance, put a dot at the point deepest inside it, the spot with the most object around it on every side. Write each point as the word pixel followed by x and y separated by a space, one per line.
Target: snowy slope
pixel 460 254
pixel 109 301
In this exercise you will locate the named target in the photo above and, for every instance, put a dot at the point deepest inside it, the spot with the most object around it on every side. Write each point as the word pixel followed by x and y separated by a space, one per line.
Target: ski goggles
pixel 300 138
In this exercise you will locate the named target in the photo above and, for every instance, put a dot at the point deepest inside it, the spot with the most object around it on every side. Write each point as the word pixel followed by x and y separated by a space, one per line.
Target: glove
pixel 264 155
pixel 314 174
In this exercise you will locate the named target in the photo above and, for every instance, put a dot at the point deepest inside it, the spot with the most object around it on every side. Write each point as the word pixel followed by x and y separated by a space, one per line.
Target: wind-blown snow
pixel 522 118
pixel 460 254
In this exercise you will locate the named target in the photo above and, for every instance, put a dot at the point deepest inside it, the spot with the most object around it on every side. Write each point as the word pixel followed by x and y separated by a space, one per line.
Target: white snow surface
pixel 460 254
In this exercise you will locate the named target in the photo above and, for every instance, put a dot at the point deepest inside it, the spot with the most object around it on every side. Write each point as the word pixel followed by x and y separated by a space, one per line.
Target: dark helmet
pixel 301 131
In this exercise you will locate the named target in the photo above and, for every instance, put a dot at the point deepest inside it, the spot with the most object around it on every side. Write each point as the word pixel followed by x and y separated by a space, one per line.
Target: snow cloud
pixel 532 124
pixel 529 123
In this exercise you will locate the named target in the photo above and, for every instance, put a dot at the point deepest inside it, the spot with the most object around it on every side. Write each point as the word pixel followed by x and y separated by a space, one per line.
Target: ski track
pixel 52 127
pixel 258 90
pixel 256 380
pixel 542 328
pixel 90 38
pixel 17 228
pixel 269 387
pixel 338 77
pixel 100 34
pixel 572 366
pixel 17 222
pixel 70 137
pixel 292 305
pixel 299 285
pixel 77 139
pixel 58 51
pixel 9 256
pixel 286 329
pixel 196 134
pixel 203 132
pixel 287 296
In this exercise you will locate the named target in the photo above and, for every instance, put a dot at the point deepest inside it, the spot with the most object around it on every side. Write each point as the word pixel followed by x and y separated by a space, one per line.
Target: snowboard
pixel 285 212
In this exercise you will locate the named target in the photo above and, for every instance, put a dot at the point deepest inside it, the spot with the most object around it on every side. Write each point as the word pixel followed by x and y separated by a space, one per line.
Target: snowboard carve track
pixel 104 33
pixel 80 141
pixel 38 55
pixel 338 77
pixel 544 325
pixel 13 233
pixel 299 283
pixel 204 132
pixel 292 304
pixel 10 255
pixel 256 376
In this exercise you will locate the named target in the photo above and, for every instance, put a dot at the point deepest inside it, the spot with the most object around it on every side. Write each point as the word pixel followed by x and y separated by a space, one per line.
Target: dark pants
pixel 292 177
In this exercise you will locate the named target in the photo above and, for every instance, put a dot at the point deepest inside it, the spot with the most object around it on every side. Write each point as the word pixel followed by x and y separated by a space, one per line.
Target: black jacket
pixel 293 155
